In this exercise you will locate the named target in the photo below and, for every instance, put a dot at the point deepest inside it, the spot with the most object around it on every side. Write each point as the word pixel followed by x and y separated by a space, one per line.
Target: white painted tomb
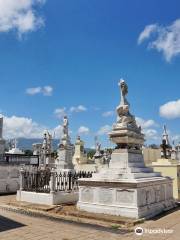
pixel 127 188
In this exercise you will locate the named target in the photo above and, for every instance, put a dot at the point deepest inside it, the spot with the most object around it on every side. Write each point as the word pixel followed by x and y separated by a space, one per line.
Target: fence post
pixel 21 179
pixel 52 181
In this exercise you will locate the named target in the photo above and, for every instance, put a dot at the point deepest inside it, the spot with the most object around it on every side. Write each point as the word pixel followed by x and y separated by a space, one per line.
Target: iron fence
pixel 68 181
pixel 41 180
pixel 36 181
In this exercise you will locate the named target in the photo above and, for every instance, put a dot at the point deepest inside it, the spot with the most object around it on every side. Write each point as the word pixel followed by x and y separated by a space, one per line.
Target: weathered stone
pixel 127 187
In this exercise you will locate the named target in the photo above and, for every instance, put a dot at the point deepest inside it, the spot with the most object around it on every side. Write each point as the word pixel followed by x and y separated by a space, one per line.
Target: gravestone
pixel 127 188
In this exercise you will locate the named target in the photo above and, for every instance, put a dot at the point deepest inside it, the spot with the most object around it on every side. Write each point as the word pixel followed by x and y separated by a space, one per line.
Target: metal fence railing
pixel 46 181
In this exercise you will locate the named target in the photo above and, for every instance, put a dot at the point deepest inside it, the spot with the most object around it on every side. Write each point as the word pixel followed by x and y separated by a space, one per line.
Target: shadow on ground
pixel 163 214
pixel 8 224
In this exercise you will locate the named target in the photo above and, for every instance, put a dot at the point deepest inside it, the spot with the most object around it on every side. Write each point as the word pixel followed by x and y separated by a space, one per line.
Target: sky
pixel 66 57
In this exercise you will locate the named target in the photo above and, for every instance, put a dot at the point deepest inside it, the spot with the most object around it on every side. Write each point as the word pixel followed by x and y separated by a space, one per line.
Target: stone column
pixel 22 179
pixel 52 181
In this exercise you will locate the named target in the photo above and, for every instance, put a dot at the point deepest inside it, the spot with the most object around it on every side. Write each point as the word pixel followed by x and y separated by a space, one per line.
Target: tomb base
pixel 137 198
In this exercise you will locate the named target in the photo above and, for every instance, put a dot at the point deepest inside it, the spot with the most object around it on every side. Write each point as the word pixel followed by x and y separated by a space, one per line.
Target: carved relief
pixel 142 197
pixel 150 196
pixel 157 194
pixel 125 196
pixel 162 192
pixel 87 195
pixel 106 196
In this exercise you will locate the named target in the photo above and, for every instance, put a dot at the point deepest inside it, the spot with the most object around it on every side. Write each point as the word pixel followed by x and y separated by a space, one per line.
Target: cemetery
pixel 118 184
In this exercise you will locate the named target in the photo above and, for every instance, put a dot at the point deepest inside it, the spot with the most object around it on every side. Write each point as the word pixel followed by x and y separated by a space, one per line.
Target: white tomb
pixel 15 150
pixel 127 188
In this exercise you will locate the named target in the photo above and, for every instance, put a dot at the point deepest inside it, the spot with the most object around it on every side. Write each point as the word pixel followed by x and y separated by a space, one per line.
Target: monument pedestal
pixel 127 188
pixel 139 198
pixel 64 160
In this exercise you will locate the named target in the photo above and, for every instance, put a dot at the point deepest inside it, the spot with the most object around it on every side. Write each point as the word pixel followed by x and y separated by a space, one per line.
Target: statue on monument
pixel 124 116
pixel 124 91
pixel 65 126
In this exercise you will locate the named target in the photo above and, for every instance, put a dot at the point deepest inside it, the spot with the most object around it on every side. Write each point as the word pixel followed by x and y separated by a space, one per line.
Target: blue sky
pixel 80 49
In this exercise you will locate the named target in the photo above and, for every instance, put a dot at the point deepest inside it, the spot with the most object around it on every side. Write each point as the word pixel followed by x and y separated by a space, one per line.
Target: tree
pixel 28 152
pixel 91 153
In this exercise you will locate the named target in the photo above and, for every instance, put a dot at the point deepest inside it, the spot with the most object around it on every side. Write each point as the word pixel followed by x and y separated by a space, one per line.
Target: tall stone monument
pixel 46 159
pixel 65 150
pixel 80 157
pixel 127 188
pixel 2 141
pixel 165 146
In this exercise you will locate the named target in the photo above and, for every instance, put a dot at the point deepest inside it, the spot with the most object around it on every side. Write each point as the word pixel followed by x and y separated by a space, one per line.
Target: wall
pixel 151 155
pixel 9 178
pixel 170 171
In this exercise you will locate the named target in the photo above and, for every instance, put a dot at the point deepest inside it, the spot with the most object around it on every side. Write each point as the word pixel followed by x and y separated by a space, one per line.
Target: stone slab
pixel 142 198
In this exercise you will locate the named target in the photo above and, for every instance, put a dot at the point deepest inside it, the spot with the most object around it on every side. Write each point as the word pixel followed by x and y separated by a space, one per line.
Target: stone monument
pixel 80 157
pixel 165 146
pixel 98 156
pixel 46 159
pixel 14 148
pixel 2 141
pixel 65 149
pixel 127 188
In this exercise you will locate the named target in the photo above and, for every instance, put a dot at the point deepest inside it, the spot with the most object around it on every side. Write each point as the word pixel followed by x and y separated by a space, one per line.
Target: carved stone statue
pixel 98 147
pixel 124 116
pixel 65 126
pixel 126 133
pixel 124 91
pixel 98 150
pixel 46 149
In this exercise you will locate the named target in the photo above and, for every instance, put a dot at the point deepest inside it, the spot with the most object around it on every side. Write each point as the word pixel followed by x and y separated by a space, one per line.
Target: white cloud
pixel 15 127
pixel 147 128
pixel 167 39
pixel 20 15
pixel 60 112
pixel 145 123
pixel 108 114
pixel 104 130
pixel 77 109
pixel 170 110
pixel 22 127
pixel 46 91
pixel 151 134
pixel 57 131
pixel 83 130
pixel 147 32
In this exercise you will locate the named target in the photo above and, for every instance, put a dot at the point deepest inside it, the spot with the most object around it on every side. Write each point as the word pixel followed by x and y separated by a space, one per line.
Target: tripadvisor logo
pixel 138 231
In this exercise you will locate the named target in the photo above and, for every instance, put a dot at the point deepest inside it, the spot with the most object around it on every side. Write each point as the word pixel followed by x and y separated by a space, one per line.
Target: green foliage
pixel 28 152
pixel 91 153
